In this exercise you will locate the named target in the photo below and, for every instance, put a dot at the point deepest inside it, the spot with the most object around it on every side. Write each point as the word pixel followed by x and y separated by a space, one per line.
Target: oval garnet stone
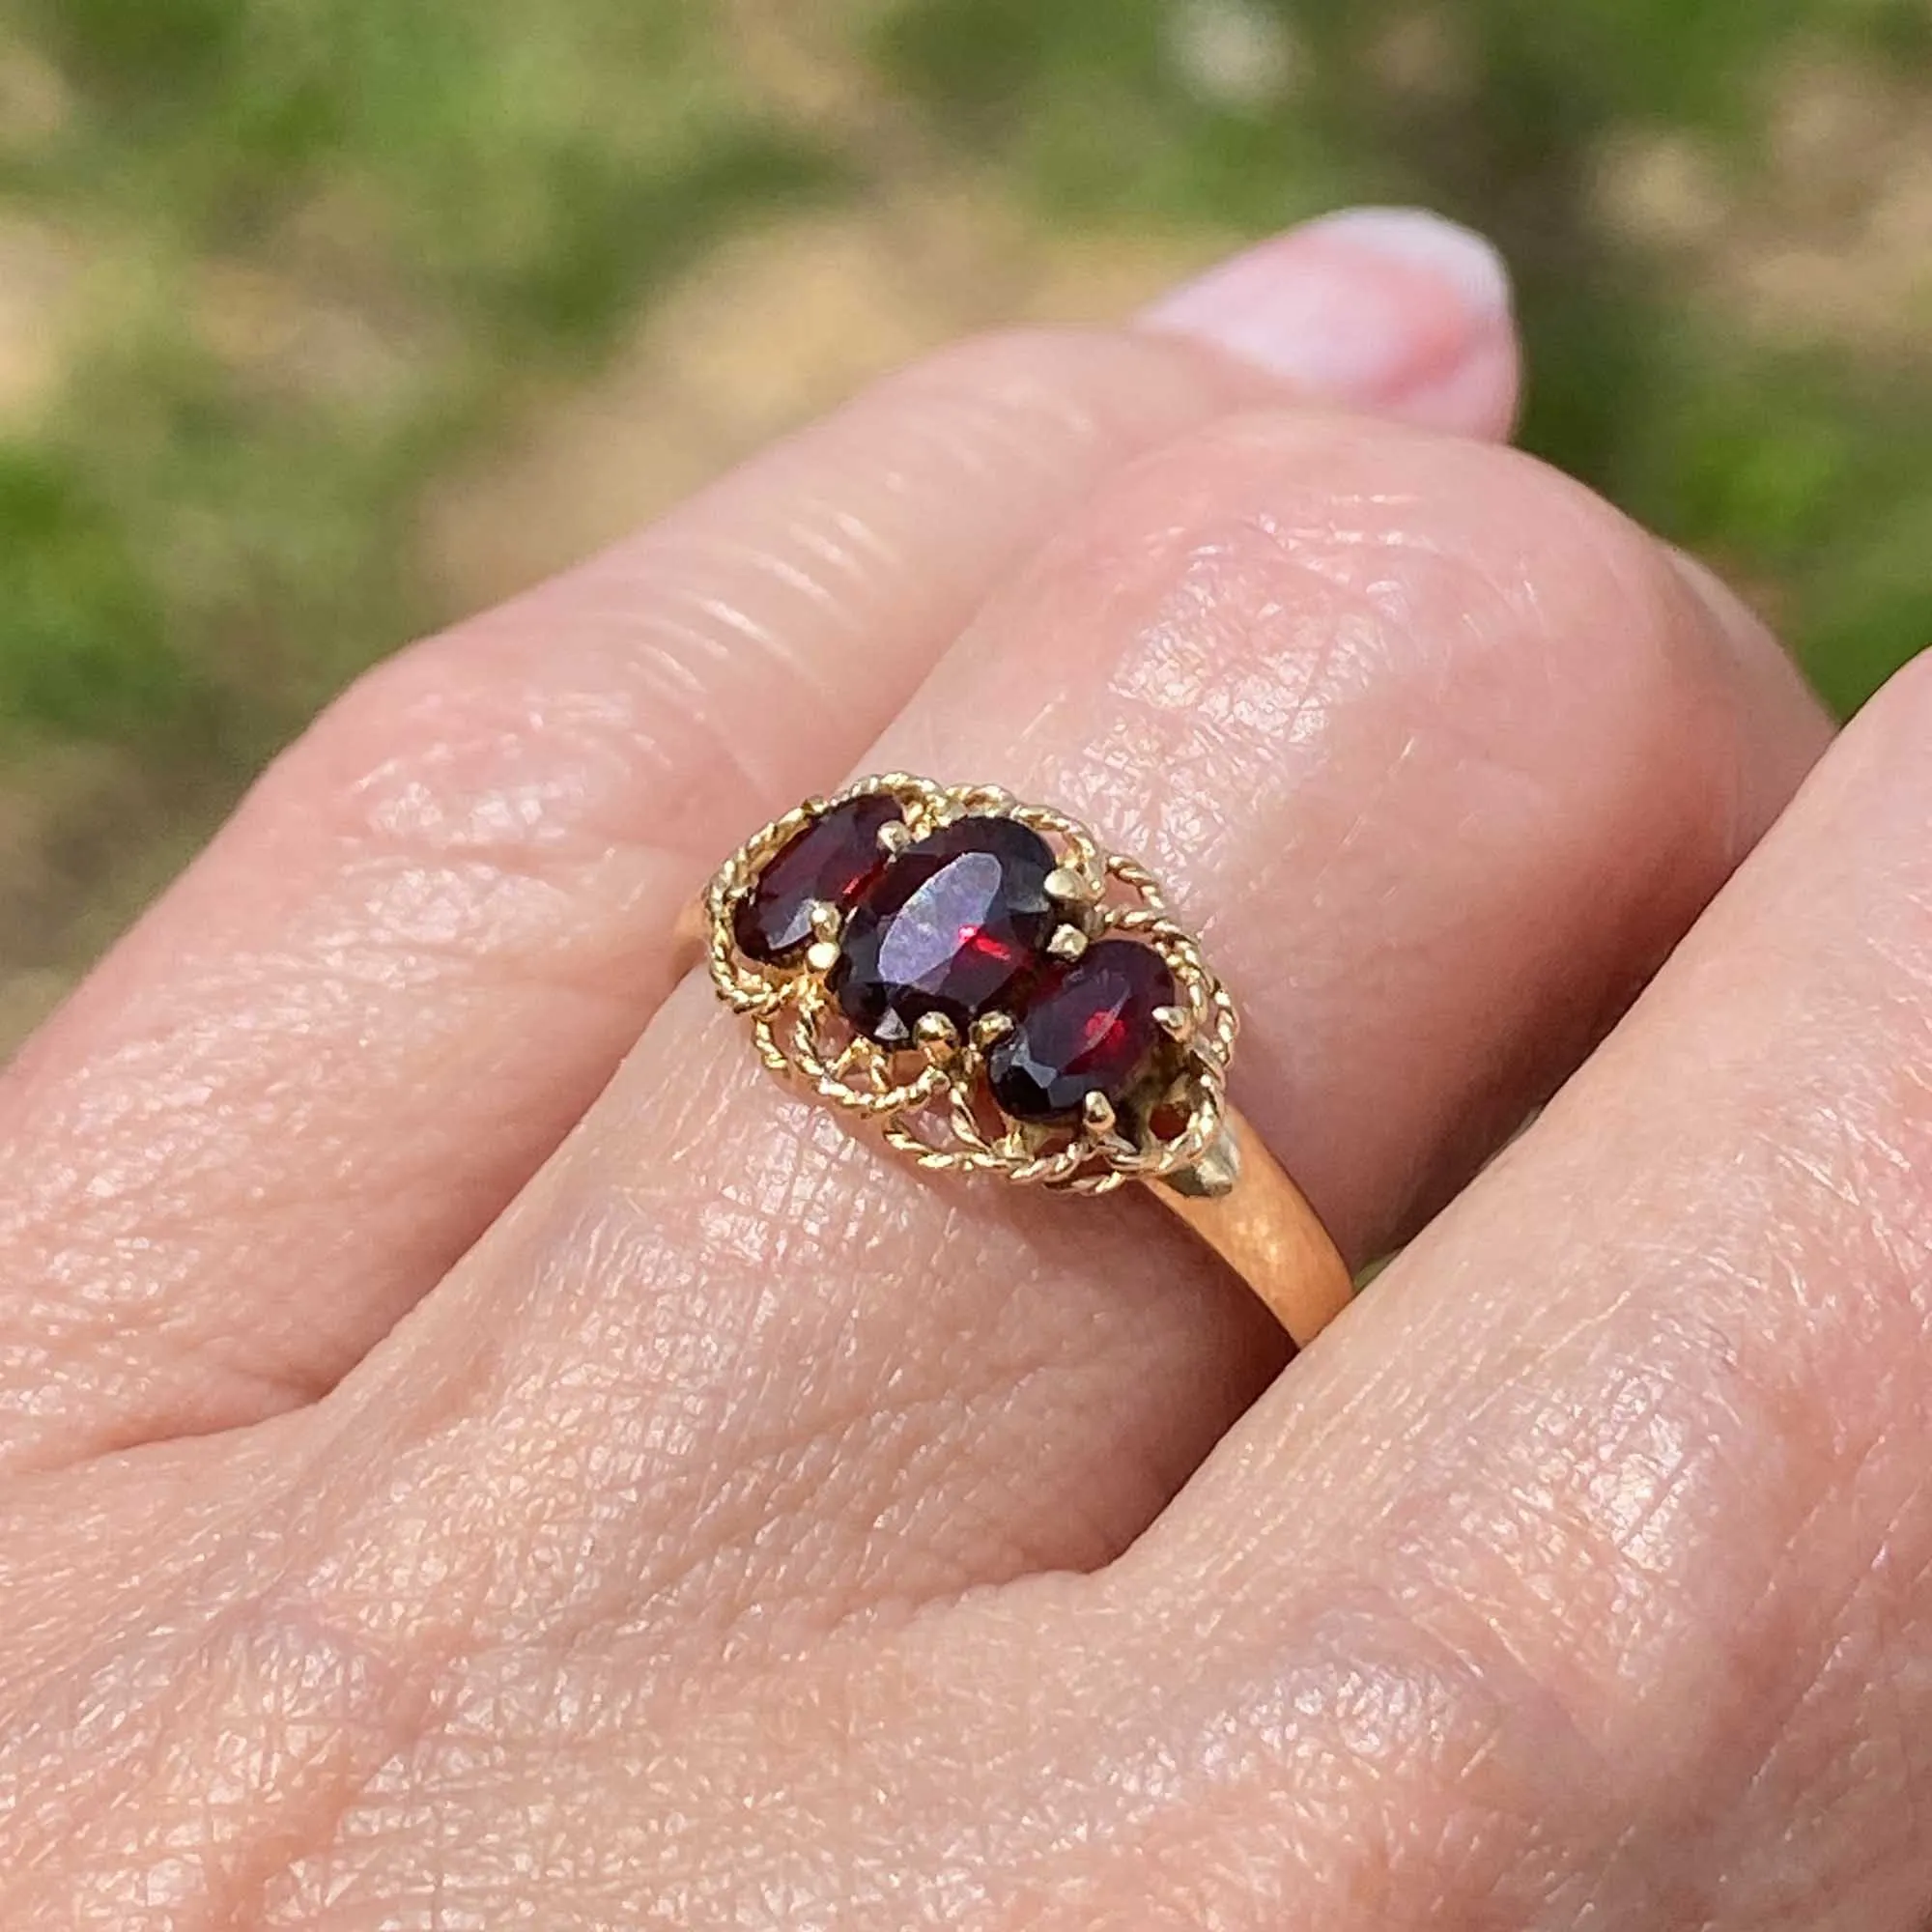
pixel 1086 1027
pixel 834 859
pixel 958 919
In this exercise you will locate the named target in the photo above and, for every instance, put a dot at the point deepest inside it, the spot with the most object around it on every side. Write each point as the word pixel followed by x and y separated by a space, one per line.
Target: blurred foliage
pixel 471 198
pixel 458 198
pixel 1808 472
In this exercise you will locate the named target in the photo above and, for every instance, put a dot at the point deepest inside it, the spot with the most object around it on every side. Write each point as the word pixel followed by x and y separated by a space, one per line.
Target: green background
pixel 1720 217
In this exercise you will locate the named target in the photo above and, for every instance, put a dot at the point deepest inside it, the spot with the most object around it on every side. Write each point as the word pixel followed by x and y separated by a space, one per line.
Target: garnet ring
pixel 997 994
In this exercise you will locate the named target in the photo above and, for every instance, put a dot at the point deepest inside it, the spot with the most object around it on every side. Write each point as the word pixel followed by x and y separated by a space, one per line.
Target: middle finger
pixel 1440 754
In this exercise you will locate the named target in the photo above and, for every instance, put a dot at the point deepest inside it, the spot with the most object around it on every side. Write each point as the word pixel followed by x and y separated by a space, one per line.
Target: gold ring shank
pixel 1241 1203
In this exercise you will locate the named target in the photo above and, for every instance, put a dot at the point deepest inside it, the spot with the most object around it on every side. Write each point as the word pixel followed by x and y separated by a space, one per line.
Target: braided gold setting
pixel 932 1101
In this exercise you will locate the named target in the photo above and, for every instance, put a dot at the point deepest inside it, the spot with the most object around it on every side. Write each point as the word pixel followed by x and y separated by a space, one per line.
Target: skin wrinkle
pixel 236 1891
pixel 174 1698
pixel 765 1472
pixel 1481 1650
pixel 196 1144
pixel 1812 1798
pixel 202 1142
pixel 1455 1769
pixel 698 1512
pixel 59 1593
pixel 878 1410
pixel 411 801
pixel 684 728
pixel 457 757
pixel 845 546
pixel 725 627
pixel 1662 1383
pixel 812 585
pixel 1061 1858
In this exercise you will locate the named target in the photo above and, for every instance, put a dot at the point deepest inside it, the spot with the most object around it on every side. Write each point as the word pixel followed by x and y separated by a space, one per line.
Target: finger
pixel 1441 754
pixel 1619 1476
pixel 326 1060
pixel 1400 352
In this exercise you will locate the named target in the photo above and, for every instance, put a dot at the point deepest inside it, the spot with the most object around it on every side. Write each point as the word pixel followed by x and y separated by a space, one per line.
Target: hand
pixel 726 1527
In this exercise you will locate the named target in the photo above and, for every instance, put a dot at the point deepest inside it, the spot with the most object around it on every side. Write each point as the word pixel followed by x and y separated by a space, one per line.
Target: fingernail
pixel 1390 309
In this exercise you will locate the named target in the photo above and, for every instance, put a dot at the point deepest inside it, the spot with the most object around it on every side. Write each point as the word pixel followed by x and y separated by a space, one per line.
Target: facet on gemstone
pixel 833 859
pixel 955 923
pixel 1083 1028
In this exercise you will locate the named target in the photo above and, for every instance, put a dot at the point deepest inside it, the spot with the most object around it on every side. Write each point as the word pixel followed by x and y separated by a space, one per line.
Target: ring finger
pixel 1439 753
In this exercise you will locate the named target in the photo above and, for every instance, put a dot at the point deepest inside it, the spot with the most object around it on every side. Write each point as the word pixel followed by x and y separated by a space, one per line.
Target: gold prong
pixel 991 1027
pixel 1067 943
pixel 938 1038
pixel 895 835
pixel 821 956
pixel 1177 1022
pixel 1069 886
pixel 1098 1111
pixel 1213 1175
pixel 826 920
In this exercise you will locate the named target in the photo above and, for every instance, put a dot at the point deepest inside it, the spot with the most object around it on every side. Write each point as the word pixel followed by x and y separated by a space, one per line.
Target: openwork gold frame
pixel 931 1103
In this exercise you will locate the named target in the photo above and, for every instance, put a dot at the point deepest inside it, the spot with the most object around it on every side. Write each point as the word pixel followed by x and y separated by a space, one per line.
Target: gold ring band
pixel 1240 1201
pixel 986 984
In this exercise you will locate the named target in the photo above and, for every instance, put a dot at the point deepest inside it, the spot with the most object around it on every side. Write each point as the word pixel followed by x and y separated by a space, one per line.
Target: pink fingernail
pixel 1390 309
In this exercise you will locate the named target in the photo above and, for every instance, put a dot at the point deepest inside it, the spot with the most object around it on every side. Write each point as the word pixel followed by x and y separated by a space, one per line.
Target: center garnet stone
pixel 959 918
pixel 1087 1028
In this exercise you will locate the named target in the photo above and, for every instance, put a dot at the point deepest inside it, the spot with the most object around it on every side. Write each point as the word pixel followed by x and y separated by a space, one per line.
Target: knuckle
pixel 483 744
pixel 1348 617
pixel 1365 1773
pixel 195 1757
pixel 1447 556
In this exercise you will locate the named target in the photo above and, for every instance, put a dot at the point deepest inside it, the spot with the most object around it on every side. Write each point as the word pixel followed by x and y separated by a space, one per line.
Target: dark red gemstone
pixel 1085 1027
pixel 833 858
pixel 958 920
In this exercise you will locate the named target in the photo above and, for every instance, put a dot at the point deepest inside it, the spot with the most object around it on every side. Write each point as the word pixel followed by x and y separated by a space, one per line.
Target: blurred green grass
pixel 479 192
pixel 1805 469
pixel 316 253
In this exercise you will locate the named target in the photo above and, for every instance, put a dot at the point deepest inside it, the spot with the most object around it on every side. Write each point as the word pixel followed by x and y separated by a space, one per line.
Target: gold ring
pixel 997 994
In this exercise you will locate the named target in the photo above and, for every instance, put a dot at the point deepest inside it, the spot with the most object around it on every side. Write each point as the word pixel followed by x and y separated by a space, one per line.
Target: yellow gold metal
pixel 938 1040
pixel 1246 1208
pixel 690 936
pixel 1185 1143
pixel 1071 887
pixel 989 1029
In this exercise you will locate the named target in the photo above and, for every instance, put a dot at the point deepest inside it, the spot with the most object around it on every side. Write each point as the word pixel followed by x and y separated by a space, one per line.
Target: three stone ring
pixel 997 994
